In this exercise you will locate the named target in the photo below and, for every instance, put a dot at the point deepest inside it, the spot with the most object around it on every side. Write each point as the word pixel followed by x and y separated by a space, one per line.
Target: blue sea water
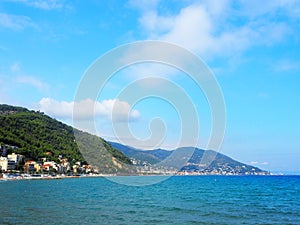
pixel 178 200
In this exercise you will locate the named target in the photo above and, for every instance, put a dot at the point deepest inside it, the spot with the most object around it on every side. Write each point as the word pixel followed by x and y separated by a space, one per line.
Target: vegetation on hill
pixel 37 135
pixel 101 154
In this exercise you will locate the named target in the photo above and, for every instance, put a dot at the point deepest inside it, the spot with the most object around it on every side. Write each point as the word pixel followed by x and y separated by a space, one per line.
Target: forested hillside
pixel 36 135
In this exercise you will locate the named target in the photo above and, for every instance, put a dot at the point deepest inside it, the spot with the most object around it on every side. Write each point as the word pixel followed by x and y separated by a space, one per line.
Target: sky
pixel 252 49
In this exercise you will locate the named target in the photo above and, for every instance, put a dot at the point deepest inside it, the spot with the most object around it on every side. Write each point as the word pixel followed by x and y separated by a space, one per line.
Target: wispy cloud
pixel 30 80
pixel 16 22
pixel 286 65
pixel 22 78
pixel 42 4
pixel 257 8
pixel 15 67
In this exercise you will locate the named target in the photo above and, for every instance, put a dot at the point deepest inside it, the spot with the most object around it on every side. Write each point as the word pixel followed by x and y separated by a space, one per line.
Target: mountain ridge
pixel 216 162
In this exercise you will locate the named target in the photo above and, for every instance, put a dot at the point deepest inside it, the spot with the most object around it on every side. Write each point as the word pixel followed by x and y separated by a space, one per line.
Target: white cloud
pixel 15 22
pixel 55 108
pixel 29 80
pixel 207 28
pixel 155 24
pixel 192 29
pixel 62 109
pixel 42 4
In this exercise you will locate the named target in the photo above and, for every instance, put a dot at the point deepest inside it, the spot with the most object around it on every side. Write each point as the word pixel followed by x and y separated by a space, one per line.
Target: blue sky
pixel 252 47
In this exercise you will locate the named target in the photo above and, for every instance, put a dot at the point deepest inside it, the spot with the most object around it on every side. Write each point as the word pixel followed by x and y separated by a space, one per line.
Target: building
pixel 31 166
pixel 7 164
pixel 11 165
pixel 3 163
pixel 50 165
pixel 17 158
pixel 13 161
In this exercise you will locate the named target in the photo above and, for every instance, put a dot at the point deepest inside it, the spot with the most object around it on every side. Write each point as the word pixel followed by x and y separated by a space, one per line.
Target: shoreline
pixel 20 177
pixel 8 177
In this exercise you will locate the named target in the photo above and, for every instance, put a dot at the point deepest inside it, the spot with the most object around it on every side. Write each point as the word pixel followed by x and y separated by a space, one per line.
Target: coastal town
pixel 14 166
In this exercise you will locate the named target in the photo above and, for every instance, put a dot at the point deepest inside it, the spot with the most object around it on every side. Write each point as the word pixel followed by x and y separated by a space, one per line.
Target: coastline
pixel 9 177
pixel 58 177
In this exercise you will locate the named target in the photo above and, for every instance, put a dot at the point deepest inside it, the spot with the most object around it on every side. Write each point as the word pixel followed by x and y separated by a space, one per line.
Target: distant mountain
pixel 161 154
pixel 36 135
pixel 141 155
pixel 218 163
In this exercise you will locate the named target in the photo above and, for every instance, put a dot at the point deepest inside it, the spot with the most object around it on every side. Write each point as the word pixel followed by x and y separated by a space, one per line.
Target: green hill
pixel 36 135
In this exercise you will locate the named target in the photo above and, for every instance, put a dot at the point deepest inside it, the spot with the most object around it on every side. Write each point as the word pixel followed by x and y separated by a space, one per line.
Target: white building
pixel 7 164
pixel 3 163
pixel 15 157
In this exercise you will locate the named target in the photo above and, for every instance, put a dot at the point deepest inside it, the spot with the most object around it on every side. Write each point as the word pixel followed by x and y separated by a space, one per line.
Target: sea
pixel 176 200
